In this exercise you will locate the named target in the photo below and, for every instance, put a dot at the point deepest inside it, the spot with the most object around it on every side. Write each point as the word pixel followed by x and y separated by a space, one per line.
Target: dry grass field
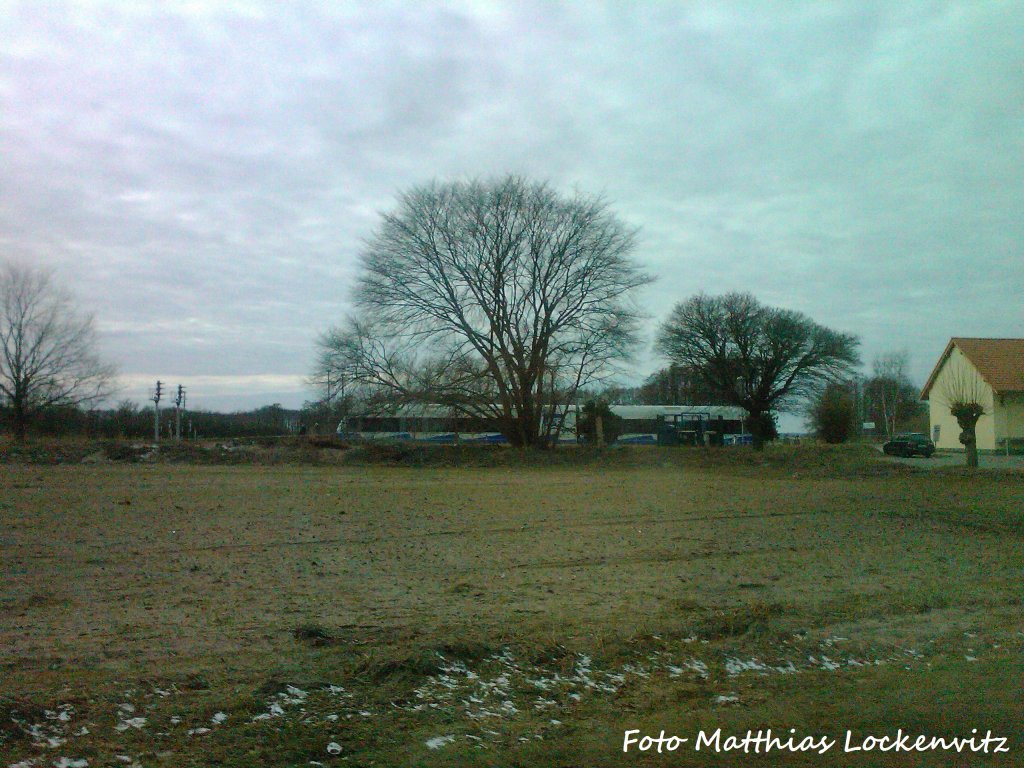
pixel 176 614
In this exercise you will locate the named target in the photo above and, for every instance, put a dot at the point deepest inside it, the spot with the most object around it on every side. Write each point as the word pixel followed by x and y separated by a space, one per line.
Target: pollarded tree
pixel 759 358
pixel 498 299
pixel 964 393
pixel 48 355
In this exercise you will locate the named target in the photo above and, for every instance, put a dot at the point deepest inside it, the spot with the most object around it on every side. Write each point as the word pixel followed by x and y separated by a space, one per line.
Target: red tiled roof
pixel 999 361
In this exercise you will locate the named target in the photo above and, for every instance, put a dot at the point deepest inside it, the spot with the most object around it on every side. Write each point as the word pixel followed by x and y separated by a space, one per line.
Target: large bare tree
pixel 759 358
pixel 498 299
pixel 48 352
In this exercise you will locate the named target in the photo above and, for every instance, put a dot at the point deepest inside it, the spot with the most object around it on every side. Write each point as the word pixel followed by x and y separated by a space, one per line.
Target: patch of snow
pixel 735 666
pixel 138 723
pixel 54 741
pixel 439 741
pixel 825 663
pixel 635 669
pixel 275 710
pixel 698 666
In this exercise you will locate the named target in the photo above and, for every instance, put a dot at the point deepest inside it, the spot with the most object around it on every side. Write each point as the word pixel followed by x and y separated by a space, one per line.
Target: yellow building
pixel 991 369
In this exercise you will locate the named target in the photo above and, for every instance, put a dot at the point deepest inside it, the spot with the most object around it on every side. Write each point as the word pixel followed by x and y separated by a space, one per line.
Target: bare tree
pixel 963 392
pixel 759 358
pixel 890 371
pixel 889 395
pixel 498 299
pixel 48 353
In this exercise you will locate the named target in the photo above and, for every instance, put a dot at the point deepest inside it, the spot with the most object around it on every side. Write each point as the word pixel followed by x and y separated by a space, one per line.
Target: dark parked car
pixel 908 444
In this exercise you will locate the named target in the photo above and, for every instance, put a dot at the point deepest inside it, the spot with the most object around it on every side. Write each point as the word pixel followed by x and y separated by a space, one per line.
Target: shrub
pixel 834 414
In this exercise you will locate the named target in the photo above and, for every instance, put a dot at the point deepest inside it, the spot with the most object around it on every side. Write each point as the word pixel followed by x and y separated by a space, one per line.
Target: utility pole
pixel 156 410
pixel 179 404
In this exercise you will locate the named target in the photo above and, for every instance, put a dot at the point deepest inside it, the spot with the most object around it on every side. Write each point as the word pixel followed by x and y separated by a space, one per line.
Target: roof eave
pixel 938 367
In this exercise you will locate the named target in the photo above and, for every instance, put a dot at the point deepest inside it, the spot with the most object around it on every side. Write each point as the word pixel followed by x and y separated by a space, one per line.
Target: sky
pixel 203 175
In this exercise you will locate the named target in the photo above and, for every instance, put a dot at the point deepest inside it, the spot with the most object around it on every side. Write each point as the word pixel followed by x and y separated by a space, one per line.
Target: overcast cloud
pixel 202 174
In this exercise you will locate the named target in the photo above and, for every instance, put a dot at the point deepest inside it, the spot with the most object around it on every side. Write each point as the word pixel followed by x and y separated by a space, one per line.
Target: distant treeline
pixel 130 421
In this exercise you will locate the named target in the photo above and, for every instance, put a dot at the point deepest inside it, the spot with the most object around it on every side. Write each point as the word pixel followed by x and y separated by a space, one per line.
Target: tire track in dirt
pixel 582 562
pixel 404 535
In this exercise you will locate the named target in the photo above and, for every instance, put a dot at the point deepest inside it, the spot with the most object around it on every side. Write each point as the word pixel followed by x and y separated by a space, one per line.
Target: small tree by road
pixel 759 358
pixel 48 356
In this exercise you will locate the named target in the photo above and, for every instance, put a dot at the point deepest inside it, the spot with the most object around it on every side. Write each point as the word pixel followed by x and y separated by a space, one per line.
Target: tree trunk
pixel 757 430
pixel 969 440
pixel 20 418
pixel 972 454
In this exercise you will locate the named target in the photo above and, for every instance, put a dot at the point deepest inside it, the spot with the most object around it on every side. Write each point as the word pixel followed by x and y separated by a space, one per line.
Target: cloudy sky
pixel 202 174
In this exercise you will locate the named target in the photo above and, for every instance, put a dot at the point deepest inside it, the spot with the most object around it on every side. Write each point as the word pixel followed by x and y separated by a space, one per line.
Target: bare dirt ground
pixel 506 616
